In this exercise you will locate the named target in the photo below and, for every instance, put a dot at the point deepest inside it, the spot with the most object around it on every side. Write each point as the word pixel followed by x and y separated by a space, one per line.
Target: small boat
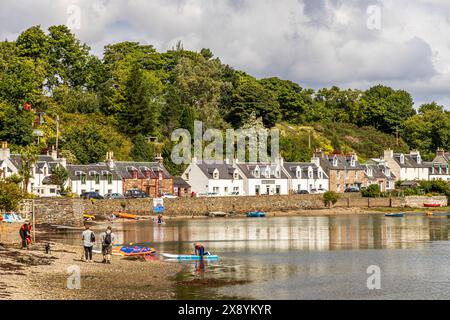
pixel 189 257
pixel 127 215
pixel 12 218
pixel 256 214
pixel 398 215
pixel 130 251
pixel 431 205
pixel 429 213
pixel 217 214
pixel 88 216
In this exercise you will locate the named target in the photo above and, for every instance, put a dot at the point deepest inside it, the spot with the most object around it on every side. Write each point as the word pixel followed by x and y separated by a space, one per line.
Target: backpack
pixel 92 237
pixel 107 239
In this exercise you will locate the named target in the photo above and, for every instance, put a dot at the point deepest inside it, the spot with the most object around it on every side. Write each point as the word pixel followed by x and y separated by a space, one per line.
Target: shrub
pixel 330 198
pixel 10 196
pixel 372 191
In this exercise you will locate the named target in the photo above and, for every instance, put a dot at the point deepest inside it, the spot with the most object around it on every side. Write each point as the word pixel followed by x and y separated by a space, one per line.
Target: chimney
pixel 319 153
pixel 159 158
pixel 110 160
pixel 227 161
pixel 388 154
pixel 280 160
pixel 54 153
pixel 316 161
pixel 4 151
pixel 440 152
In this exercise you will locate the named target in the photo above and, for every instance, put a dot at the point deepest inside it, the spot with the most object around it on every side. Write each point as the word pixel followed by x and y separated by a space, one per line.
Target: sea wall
pixel 63 211
pixel 9 232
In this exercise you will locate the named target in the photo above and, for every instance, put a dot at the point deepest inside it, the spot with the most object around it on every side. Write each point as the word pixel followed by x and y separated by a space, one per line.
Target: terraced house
pixel 306 176
pixel 378 172
pixel 343 171
pixel 439 167
pixel 407 167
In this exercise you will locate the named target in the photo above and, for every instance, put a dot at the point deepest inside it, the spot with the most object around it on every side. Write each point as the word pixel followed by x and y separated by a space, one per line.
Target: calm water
pixel 306 257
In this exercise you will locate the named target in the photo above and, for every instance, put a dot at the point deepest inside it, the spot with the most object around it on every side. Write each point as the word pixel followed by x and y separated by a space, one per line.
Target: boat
pixel 217 214
pixel 127 215
pixel 394 215
pixel 12 218
pixel 431 205
pixel 256 214
pixel 429 213
pixel 130 251
pixel 189 257
pixel 88 216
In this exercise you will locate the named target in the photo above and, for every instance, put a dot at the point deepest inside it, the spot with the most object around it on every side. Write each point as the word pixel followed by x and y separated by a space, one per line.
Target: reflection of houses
pixel 261 178
pixel 218 178
pixel 377 172
pixel 181 188
pixel 306 176
pixel 343 171
pixel 407 166
pixel 95 177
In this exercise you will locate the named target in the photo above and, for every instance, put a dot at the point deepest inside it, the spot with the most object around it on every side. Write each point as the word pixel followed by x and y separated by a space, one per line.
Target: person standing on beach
pixel 108 239
pixel 88 237
pixel 24 232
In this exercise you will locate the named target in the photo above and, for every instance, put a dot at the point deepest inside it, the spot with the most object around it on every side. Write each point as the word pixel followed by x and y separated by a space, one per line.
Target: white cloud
pixel 316 43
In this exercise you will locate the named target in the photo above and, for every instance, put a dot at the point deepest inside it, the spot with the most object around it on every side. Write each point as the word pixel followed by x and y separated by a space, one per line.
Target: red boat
pixel 431 205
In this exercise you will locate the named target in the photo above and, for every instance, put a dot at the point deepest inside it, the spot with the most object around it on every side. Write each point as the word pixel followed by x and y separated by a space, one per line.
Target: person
pixel 88 237
pixel 25 235
pixel 160 218
pixel 108 239
pixel 199 249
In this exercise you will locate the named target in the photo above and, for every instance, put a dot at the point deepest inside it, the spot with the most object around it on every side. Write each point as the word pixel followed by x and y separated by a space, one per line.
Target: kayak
pixel 129 251
pixel 127 216
pixel 188 257
pixel 12 218
pixel 89 216
pixel 256 214
pixel 394 215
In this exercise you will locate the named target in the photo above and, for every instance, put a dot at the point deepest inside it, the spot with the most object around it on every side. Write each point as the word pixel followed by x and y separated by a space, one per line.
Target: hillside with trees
pixel 133 92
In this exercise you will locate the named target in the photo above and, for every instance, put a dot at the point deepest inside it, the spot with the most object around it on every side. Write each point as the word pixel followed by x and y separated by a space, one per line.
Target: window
pixel 277 189
pixel 335 161
pixel 278 173
pixel 83 179
pixel 352 161
pixel 299 187
pixel 235 175
pixel 256 173
pixel 225 190
pixel 310 173
pixel 320 174
pixel 216 189
pixel 298 173
pixel 97 179
pixel 402 158
pixel 134 174
pixel 216 174
pixel 257 190
pixel 110 178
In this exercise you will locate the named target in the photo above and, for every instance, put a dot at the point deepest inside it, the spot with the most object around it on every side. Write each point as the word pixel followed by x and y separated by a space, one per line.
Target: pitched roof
pixel 180 182
pixel 248 170
pixel 291 168
pixel 410 161
pixel 74 171
pixel 379 172
pixel 343 162
pixel 125 168
pixel 225 170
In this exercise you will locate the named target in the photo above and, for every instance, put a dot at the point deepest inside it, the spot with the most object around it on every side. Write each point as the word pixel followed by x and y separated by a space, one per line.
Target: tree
pixel 372 191
pixel 59 177
pixel 330 198
pixel 33 43
pixel 142 150
pixel 28 157
pixel 10 196
pixel 15 126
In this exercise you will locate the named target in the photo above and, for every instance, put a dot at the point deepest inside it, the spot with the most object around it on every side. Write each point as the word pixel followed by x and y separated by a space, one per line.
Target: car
pixel 352 189
pixel 234 193
pixel 316 191
pixel 91 195
pixel 114 196
pixel 136 193
pixel 168 196
pixel 302 192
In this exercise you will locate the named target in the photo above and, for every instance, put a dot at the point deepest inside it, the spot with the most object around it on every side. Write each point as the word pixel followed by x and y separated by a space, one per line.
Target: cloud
pixel 317 43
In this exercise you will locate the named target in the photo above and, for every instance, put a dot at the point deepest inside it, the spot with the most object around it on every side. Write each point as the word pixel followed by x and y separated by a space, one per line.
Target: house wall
pixel 150 186
pixel 340 179
pixel 305 184
pixel 103 187
pixel 444 177
pixel 412 174
pixel 230 184
pixel 264 183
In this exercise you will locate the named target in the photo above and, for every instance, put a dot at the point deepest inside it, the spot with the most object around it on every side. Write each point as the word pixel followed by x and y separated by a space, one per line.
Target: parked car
pixel 234 193
pixel 91 195
pixel 302 192
pixel 135 193
pixel 352 189
pixel 168 196
pixel 318 191
pixel 114 196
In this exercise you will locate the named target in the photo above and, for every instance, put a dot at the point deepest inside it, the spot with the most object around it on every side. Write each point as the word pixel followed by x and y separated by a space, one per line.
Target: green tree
pixel 28 158
pixel 372 191
pixel 15 126
pixel 59 177
pixel 330 198
pixel 142 150
pixel 10 196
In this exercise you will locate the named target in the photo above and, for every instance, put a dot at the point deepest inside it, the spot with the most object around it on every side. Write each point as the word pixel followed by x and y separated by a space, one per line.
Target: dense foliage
pixel 134 92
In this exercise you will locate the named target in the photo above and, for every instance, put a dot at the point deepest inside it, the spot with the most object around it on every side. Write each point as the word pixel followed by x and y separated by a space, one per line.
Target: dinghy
pixel 256 214
pixel 395 215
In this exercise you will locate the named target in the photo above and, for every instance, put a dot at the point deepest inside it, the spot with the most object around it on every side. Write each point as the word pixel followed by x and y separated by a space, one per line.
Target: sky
pixel 316 43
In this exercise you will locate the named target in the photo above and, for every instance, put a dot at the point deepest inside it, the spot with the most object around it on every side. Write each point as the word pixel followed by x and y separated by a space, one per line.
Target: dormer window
pixel 352 161
pixel 310 173
pixel 419 160
pixel 235 175
pixel 267 172
pixel 256 172
pixel 369 171
pixel 134 174
pixel 277 173
pixel 320 174
pixel 402 158
pixel 216 174
pixel 335 161
pixel 387 172
pixel 298 173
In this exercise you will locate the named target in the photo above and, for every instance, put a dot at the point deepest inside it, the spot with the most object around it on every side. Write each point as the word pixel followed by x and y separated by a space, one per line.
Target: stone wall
pixel 9 232
pixel 64 211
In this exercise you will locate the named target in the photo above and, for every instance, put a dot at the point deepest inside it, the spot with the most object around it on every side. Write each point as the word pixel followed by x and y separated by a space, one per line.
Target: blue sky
pixel 317 43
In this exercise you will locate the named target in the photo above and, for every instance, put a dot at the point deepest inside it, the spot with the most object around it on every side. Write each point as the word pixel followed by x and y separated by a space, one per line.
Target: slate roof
pixel 225 170
pixel 343 163
pixel 291 168
pixel 180 183
pixel 436 166
pixel 122 169
pixel 410 161
pixel 87 169
pixel 378 172
pixel 248 169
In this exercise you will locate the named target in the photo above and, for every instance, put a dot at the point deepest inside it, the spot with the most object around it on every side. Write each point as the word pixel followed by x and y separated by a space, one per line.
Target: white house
pixel 406 167
pixel 439 171
pixel 378 172
pixel 263 178
pixel 94 177
pixel 306 176
pixel 7 167
pixel 219 178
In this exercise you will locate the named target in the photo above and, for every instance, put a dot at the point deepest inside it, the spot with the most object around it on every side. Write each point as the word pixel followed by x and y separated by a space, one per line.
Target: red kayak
pixel 431 205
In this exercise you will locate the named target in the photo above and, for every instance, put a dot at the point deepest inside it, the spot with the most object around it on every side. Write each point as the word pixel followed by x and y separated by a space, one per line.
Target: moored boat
pixel 256 214
pixel 431 205
pixel 399 215
pixel 127 215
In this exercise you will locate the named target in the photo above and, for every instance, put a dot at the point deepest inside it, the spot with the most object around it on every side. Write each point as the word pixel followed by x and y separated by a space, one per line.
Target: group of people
pixel 107 239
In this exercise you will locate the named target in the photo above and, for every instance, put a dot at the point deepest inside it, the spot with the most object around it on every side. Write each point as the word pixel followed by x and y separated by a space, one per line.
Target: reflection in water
pixel 307 257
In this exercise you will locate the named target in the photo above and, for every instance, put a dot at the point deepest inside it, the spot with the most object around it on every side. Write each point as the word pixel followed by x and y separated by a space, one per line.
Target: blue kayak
pixel 189 257
pixel 395 215
pixel 256 214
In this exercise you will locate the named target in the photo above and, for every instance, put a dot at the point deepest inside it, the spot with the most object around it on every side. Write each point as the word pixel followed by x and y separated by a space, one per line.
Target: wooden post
pixel 368 202
pixel 348 202
pixel 34 221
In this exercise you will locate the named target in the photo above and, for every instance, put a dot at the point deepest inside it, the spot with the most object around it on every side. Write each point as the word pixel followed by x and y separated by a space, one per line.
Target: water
pixel 320 257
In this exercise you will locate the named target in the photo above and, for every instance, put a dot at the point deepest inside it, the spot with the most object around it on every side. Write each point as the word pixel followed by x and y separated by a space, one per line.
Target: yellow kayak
pixel 127 215
pixel 88 216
